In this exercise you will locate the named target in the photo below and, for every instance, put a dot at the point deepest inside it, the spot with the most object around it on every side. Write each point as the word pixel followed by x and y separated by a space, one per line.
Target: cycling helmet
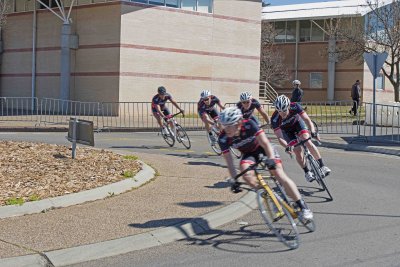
pixel 296 82
pixel 205 94
pixel 245 96
pixel 162 90
pixel 230 116
pixel 282 103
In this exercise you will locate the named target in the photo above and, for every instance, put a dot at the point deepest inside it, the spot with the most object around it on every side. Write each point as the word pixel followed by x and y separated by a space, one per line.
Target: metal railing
pixel 267 92
pixel 331 117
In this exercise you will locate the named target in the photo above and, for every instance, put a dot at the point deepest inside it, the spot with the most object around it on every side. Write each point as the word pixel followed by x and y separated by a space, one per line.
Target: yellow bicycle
pixel 281 215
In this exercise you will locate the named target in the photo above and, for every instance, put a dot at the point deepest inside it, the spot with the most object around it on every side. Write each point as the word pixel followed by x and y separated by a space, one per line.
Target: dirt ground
pixel 34 171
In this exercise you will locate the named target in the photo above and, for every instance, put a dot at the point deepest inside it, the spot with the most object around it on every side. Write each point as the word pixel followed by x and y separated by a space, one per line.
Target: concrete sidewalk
pixel 186 198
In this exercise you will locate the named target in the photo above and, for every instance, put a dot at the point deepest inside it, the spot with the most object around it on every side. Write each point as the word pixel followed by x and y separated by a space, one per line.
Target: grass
pixel 130 157
pixel 34 197
pixel 15 201
pixel 128 174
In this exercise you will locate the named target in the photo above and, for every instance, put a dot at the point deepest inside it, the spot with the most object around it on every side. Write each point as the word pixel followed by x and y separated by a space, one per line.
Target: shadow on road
pixel 201 204
pixel 310 191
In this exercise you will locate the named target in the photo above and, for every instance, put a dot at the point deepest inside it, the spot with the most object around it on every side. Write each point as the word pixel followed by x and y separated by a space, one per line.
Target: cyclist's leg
pixel 249 177
pixel 158 117
pixel 204 117
pixel 166 112
pixel 254 118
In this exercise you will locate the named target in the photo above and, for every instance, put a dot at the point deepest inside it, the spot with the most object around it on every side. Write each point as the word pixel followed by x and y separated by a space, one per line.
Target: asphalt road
pixel 359 228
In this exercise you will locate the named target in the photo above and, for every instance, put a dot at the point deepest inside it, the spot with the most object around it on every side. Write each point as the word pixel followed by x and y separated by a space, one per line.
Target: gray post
pixel 74 126
pixel 373 97
pixel 331 68
pixel 65 61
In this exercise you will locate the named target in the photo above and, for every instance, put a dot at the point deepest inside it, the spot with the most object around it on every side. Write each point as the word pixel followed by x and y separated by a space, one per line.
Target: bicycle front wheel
pixel 214 145
pixel 183 137
pixel 168 136
pixel 282 225
pixel 235 152
pixel 318 175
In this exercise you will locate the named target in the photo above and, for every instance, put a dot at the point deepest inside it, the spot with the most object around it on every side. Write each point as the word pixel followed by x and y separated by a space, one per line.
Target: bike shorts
pixel 254 118
pixel 299 128
pixel 165 111
pixel 254 156
pixel 212 113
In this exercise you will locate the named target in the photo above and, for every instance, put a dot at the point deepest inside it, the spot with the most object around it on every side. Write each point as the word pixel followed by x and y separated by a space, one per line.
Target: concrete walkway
pixel 186 198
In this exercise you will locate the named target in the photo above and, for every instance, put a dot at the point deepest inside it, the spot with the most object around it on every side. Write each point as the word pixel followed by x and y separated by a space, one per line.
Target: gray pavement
pixel 187 197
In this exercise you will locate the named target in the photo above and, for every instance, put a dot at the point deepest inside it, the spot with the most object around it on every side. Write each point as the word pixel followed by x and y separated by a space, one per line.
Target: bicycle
pixel 279 213
pixel 178 133
pixel 314 167
pixel 214 144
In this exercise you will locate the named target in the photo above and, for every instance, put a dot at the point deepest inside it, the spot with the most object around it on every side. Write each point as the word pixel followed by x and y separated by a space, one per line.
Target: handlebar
pixel 173 115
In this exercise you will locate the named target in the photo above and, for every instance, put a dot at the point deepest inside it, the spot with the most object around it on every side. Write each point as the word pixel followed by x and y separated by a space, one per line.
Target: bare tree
pixel 272 68
pixel 378 33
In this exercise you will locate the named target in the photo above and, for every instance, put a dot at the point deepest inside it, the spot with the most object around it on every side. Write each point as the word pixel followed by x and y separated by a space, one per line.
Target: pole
pixel 374 98
pixel 74 125
pixel 34 37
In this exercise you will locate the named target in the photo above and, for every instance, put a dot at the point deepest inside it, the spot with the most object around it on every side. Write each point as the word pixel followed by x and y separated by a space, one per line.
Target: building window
pixel 305 30
pixel 189 5
pixel 317 34
pixel 291 31
pixel 316 80
pixel 380 82
pixel 280 29
pixel 172 3
pixel 157 2
pixel 204 6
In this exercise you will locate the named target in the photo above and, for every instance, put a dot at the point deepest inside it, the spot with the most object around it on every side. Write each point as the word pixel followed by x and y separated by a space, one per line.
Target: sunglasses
pixel 246 102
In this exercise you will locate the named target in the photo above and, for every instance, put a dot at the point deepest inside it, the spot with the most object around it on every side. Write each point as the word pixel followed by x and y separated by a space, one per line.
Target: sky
pixel 291 2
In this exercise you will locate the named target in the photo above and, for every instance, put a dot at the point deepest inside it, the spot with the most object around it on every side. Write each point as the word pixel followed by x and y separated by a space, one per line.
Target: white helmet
pixel 282 103
pixel 230 116
pixel 205 94
pixel 245 96
pixel 296 82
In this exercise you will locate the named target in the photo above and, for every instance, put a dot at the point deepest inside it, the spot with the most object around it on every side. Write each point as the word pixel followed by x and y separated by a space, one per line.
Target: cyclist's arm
pixel 208 118
pixel 308 121
pixel 176 105
pixel 220 105
pixel 229 163
pixel 279 135
pixel 264 114
pixel 265 144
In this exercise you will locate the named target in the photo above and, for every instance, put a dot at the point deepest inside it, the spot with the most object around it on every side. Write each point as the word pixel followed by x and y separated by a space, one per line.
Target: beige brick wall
pixel 185 51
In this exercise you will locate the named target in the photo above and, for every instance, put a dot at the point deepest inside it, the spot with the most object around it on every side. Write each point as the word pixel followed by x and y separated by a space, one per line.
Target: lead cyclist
pixel 252 142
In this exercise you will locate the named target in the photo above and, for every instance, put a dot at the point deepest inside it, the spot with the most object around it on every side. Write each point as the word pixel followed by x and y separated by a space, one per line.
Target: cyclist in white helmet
pixel 290 122
pixel 248 104
pixel 247 137
pixel 207 110
pixel 297 93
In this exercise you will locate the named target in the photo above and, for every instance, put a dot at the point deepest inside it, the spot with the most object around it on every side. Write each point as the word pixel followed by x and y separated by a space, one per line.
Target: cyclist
pixel 159 108
pixel 207 110
pixel 289 123
pixel 248 104
pixel 247 137
pixel 297 93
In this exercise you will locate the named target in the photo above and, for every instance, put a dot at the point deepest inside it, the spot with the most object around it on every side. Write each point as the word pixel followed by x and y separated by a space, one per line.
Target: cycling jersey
pixel 210 109
pixel 292 125
pixel 161 102
pixel 246 143
pixel 253 105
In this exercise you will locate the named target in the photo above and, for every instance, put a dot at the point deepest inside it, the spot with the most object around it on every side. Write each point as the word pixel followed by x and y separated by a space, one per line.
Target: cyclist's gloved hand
pixel 289 149
pixel 269 163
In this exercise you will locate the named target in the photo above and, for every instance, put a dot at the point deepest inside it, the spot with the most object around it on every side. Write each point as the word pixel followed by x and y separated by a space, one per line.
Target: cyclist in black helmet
pixel 159 108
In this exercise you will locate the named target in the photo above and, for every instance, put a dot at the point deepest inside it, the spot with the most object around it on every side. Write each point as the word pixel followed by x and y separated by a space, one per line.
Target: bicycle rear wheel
pixel 169 138
pixel 282 225
pixel 214 145
pixel 318 175
pixel 182 136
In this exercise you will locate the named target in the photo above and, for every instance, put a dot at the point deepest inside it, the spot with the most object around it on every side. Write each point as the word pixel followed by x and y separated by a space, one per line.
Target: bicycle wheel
pixel 214 145
pixel 235 152
pixel 182 136
pixel 283 225
pixel 318 174
pixel 168 136
pixel 309 224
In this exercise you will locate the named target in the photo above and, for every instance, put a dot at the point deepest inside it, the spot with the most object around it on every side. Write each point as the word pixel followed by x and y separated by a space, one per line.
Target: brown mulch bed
pixel 34 171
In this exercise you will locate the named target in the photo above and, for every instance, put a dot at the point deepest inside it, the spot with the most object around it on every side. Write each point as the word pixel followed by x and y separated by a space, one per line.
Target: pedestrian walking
pixel 355 95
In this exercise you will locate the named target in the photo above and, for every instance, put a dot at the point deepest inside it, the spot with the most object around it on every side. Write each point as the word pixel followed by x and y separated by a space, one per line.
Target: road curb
pixel 363 148
pixel 95 251
pixel 143 176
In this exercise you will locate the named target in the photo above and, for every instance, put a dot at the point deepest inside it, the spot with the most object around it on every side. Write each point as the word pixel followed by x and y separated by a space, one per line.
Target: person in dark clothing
pixel 355 95
pixel 297 93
